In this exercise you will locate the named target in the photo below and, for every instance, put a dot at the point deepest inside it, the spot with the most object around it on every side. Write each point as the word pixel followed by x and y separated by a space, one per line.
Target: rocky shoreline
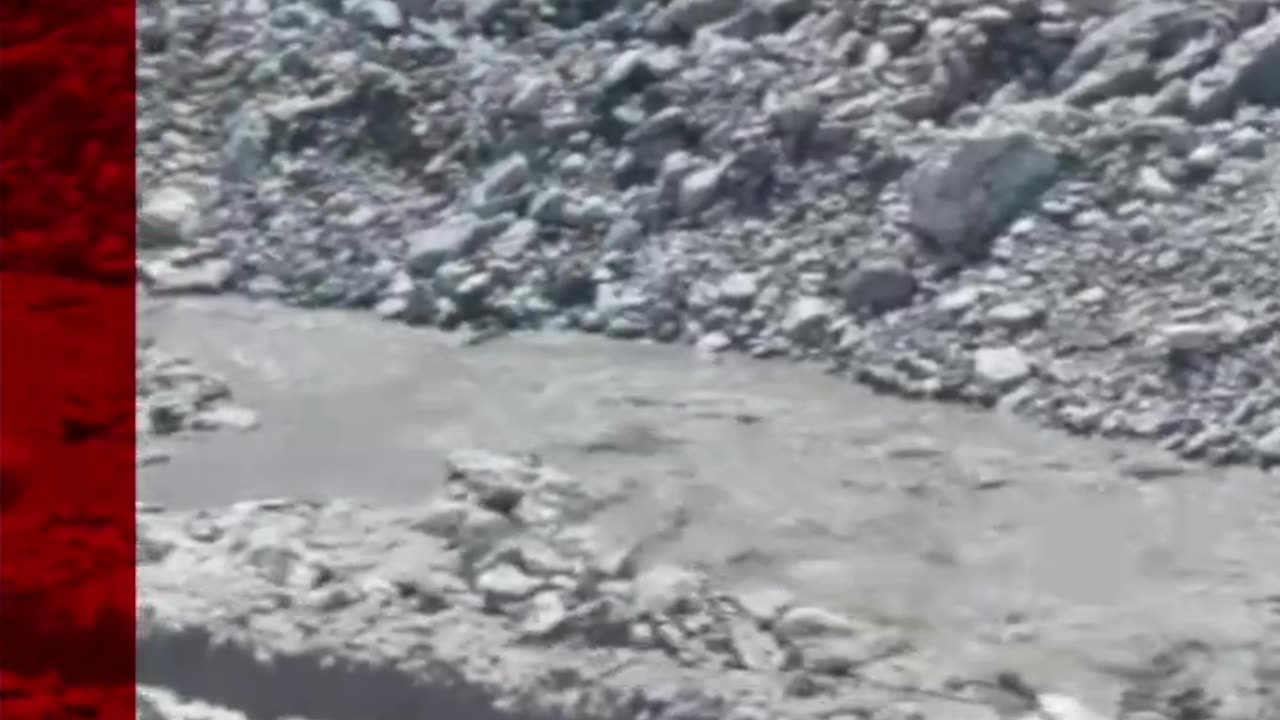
pixel 175 396
pixel 1061 208
pixel 502 599
pixel 1065 210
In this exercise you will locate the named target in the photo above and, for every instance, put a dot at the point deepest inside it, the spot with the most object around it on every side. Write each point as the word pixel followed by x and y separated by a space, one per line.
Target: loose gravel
pixel 1066 209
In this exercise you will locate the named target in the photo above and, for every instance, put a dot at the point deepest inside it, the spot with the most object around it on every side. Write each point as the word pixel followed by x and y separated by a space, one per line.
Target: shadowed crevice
pixel 192 663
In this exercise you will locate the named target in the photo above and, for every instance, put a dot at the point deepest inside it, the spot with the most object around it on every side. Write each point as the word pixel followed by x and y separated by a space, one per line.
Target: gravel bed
pixel 1065 209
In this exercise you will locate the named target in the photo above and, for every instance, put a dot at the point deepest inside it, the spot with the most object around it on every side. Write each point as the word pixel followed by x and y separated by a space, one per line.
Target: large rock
pixel 1248 72
pixel 1144 44
pixel 963 195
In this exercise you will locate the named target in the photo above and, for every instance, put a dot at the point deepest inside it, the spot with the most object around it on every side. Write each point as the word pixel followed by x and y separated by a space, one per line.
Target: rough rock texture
pixel 174 395
pixel 1076 181
pixel 502 599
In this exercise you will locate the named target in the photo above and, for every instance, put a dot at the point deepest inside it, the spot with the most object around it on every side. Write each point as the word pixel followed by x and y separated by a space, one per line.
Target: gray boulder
pixel 963 195
pixel 1247 72
pixel 880 285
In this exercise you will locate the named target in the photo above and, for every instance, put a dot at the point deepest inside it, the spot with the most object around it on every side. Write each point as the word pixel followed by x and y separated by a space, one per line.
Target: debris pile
pixel 1064 208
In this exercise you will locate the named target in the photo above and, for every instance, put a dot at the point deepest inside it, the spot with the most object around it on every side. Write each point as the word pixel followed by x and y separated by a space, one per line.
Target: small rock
pixel 284 567
pixel 740 288
pixel 430 248
pixel 1205 159
pixel 838 655
pixel 1268 446
pixel 755 649
pixel 551 206
pixel 169 216
pixel 211 276
pixel 497 482
pixel 804 622
pixel 247 147
pixel 880 285
pixel 1188 337
pixel 698 190
pixel 806 320
pixel 960 299
pixel 1015 314
pixel 714 342
pixel 623 235
pixel 224 416
pixel 689 15
pixel 530 96
pixel 1053 706
pixel 665 588
pixel 546 614
pixel 507 178
pixel 765 604
pixel 506 582
pixel 1001 367
pixel 482 528
pixel 383 15
pixel 1092 296
pixel 443 518
pixel 625 67
pixel 516 239
pixel 1153 184
pixel 421 568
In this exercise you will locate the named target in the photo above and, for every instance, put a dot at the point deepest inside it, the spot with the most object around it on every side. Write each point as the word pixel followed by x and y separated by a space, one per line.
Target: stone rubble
pixel 506 584
pixel 174 395
pixel 871 185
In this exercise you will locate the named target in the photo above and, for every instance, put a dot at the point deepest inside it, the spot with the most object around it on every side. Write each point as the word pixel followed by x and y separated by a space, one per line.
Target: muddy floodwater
pixel 992 542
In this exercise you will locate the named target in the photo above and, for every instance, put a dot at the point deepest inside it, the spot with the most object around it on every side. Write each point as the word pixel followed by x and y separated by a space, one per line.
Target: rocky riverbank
pixel 505 598
pixel 175 396
pixel 1063 208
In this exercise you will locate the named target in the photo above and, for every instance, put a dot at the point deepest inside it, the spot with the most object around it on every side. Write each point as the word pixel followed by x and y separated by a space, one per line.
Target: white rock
pixel 960 299
pixel 1014 314
pixel 664 587
pixel 799 623
pixel 209 276
pixel 376 14
pixel 806 318
pixel 765 604
pixel 546 612
pixel 740 288
pixel 506 582
pixel 1268 446
pixel 169 216
pixel 229 417
pixel 1062 707
pixel 1001 367
pixel 698 190
pixel 1188 336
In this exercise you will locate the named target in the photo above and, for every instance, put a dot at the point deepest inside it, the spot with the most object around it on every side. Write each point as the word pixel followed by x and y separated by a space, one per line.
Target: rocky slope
pixel 505 598
pixel 1064 208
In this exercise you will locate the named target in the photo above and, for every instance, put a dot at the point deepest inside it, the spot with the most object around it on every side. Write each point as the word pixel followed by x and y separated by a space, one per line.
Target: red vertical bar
pixel 67 319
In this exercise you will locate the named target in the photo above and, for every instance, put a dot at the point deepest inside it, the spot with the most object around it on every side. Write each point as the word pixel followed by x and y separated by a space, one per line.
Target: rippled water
pixel 993 541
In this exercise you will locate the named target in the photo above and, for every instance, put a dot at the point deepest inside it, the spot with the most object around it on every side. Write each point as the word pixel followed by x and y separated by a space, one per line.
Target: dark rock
pixel 963 195
pixel 880 285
